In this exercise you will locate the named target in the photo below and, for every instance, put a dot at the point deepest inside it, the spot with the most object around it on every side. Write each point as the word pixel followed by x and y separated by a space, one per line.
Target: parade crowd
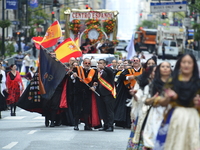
pixel 160 105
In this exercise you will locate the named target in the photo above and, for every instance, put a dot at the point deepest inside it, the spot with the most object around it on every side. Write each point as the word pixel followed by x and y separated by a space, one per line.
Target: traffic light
pixel 163 15
pixel 56 3
pixel 52 16
pixel 18 33
pixel 87 6
pixel 140 15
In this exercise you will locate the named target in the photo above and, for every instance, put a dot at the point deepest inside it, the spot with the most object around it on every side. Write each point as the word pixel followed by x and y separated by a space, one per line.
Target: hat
pixel 93 63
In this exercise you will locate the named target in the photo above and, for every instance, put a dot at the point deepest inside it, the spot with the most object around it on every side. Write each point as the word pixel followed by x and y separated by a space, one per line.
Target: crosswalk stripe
pixel 9 146
pixel 39 117
pixel 14 117
pixel 32 131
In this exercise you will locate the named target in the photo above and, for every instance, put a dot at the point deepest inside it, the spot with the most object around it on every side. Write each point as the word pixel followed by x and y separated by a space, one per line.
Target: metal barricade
pixel 194 52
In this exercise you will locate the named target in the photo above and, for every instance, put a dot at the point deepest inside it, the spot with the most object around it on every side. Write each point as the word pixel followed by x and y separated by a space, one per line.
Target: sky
pixel 128 16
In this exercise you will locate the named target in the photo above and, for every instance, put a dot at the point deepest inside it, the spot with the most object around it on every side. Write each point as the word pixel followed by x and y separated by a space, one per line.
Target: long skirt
pixel 183 131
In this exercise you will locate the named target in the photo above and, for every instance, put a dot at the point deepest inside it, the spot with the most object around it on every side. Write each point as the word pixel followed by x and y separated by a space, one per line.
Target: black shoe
pixel 103 129
pixel 76 128
pixel 46 122
pixel 13 114
pixel 110 129
pixel 87 128
pixel 52 124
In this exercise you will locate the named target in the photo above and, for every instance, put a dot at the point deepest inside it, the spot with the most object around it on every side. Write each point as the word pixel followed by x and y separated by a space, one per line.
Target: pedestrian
pixel 27 62
pixel 180 128
pixel 163 52
pixel 15 88
pixel 19 60
pixel 34 50
pixel 106 89
pixel 3 90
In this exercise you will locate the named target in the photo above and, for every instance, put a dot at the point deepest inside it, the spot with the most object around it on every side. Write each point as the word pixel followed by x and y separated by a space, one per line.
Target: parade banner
pixel 66 50
pixel 51 73
pixel 12 4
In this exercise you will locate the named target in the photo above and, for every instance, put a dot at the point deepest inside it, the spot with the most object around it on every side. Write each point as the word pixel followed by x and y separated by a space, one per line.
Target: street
pixel 26 131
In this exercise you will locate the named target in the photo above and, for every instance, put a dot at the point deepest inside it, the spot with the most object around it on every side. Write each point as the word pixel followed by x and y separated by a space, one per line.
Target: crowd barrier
pixel 196 53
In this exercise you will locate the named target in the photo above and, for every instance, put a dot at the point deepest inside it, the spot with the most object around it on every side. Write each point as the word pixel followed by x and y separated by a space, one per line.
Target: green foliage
pixel 9 49
pixel 36 17
pixel 151 24
pixel 196 28
pixel 119 54
pixel 5 23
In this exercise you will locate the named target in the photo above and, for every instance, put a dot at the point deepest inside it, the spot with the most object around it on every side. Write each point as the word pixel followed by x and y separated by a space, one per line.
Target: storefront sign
pixel 11 4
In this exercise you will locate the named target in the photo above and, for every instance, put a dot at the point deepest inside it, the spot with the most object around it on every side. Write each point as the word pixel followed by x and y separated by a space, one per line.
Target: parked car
pixel 171 48
pixel 122 45
pixel 107 57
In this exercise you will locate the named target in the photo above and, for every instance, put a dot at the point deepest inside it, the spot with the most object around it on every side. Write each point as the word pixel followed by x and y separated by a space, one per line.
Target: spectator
pixel 27 61
pixel 18 60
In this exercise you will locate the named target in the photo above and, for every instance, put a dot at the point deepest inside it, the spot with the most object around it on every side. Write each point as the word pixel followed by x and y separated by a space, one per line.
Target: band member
pixel 83 97
pixel 106 89
pixel 126 81
pixel 87 47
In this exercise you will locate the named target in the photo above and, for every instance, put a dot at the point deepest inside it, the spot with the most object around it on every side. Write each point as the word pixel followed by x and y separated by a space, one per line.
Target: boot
pixel 87 128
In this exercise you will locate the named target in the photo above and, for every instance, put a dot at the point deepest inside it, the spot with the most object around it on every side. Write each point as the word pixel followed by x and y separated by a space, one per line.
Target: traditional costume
pixel 180 130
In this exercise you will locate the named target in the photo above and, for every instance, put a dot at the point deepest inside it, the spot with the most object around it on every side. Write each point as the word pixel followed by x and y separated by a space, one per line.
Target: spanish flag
pixel 66 50
pixel 76 40
pixel 51 37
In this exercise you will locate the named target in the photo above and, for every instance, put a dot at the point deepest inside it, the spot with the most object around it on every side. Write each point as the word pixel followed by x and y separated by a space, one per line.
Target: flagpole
pixel 72 72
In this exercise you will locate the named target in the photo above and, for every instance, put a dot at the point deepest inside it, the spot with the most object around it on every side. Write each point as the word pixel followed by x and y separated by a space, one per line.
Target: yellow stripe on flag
pixel 66 48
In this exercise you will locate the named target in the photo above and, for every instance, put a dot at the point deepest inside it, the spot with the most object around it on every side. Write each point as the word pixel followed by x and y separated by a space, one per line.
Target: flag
pixel 66 50
pixel 51 37
pixel 33 3
pixel 51 73
pixel 38 39
pixel 131 49
pixel 76 40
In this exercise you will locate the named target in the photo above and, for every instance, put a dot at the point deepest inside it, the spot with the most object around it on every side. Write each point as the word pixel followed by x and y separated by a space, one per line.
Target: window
pixel 173 44
pixel 165 43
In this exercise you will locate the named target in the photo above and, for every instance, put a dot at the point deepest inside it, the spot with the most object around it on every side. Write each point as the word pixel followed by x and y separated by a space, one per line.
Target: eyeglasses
pixel 135 60
pixel 87 63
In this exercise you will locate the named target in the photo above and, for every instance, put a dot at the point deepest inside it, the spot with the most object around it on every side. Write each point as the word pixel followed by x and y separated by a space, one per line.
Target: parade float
pixel 93 24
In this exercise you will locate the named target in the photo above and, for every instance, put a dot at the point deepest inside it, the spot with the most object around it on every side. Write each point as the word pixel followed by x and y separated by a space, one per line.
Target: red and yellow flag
pixel 76 40
pixel 66 50
pixel 51 37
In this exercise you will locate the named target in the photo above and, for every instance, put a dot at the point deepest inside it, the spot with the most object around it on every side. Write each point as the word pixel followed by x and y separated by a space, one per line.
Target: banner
pixel 12 4
pixel 51 73
pixel 33 3
pixel 66 50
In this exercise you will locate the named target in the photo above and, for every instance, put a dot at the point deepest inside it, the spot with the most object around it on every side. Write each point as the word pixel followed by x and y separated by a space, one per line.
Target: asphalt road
pixel 26 131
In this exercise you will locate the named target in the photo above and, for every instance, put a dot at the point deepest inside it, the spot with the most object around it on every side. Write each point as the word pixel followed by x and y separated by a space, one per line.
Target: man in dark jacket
pixel 107 93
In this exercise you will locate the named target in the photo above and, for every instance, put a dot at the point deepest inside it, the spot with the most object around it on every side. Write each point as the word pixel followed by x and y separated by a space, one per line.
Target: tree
pixel 152 24
pixel 36 17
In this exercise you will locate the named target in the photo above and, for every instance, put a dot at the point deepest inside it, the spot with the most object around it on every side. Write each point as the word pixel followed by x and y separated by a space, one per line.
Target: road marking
pixel 9 146
pixel 32 131
pixel 14 117
pixel 38 117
